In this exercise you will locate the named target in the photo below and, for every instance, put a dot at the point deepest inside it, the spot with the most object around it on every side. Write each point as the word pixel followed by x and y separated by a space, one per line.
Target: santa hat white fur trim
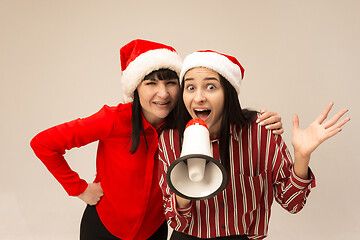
pixel 214 61
pixel 144 64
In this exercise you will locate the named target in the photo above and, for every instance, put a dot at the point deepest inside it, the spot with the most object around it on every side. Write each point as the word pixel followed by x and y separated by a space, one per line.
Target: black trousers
pixel 91 228
pixel 181 236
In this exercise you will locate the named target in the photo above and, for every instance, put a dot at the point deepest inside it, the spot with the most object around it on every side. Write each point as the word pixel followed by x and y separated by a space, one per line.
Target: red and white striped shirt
pixel 260 169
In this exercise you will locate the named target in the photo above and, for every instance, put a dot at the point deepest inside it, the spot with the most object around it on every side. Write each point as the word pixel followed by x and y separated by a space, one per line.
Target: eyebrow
pixel 150 79
pixel 208 79
pixel 154 80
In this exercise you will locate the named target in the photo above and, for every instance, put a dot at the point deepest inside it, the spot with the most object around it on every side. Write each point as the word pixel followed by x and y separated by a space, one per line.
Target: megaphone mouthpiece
pixel 196 121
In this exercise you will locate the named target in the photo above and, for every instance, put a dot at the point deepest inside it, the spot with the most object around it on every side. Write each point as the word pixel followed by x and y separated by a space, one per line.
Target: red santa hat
pixel 227 66
pixel 140 57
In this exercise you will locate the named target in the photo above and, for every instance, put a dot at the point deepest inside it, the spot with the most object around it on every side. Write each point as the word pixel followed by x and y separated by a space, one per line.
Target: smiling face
pixel 157 98
pixel 204 97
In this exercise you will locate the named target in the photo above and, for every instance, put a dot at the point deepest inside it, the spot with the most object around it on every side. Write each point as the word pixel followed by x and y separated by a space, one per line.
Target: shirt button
pixel 222 204
pixel 223 227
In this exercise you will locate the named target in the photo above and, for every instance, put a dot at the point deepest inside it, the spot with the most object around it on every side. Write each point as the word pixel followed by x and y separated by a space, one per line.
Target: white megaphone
pixel 196 175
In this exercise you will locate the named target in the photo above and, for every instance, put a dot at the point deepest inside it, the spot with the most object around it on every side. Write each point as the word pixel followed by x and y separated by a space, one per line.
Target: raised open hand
pixel 307 140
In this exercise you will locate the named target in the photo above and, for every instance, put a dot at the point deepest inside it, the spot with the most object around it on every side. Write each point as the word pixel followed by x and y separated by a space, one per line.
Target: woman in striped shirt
pixel 259 164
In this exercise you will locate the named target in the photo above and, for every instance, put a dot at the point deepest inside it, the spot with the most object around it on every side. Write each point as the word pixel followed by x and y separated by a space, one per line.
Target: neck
pixel 214 131
pixel 214 134
pixel 156 123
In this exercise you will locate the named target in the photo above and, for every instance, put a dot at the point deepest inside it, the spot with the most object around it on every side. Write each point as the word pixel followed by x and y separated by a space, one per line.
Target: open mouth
pixel 161 103
pixel 202 113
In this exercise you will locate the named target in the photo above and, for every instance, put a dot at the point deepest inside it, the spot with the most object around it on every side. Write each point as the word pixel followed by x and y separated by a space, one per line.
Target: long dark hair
pixel 233 114
pixel 136 119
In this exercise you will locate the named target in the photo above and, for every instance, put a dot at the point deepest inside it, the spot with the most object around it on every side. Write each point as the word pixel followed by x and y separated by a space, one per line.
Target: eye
pixel 210 87
pixel 172 82
pixel 190 87
pixel 149 82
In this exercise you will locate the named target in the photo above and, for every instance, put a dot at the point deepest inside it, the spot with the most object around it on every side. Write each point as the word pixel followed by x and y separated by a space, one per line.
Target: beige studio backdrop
pixel 59 60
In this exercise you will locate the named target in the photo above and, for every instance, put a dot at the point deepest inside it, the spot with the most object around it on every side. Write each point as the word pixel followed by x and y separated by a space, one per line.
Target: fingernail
pixel 258 120
pixel 267 127
pixel 261 124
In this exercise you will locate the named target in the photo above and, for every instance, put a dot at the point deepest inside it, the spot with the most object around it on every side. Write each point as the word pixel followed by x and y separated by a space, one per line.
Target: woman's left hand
pixel 271 120
pixel 307 140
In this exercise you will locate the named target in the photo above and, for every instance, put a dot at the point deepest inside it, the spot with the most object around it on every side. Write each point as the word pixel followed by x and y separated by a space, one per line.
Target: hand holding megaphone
pixel 196 174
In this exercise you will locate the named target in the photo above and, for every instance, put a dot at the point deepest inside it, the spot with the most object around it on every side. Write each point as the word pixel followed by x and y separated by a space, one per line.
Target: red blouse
pixel 131 207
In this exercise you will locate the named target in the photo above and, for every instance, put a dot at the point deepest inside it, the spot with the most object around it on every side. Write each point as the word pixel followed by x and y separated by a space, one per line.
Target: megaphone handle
pixel 196 168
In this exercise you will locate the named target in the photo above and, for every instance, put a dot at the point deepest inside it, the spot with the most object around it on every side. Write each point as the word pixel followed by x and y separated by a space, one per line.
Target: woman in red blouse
pixel 124 201
pixel 258 163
